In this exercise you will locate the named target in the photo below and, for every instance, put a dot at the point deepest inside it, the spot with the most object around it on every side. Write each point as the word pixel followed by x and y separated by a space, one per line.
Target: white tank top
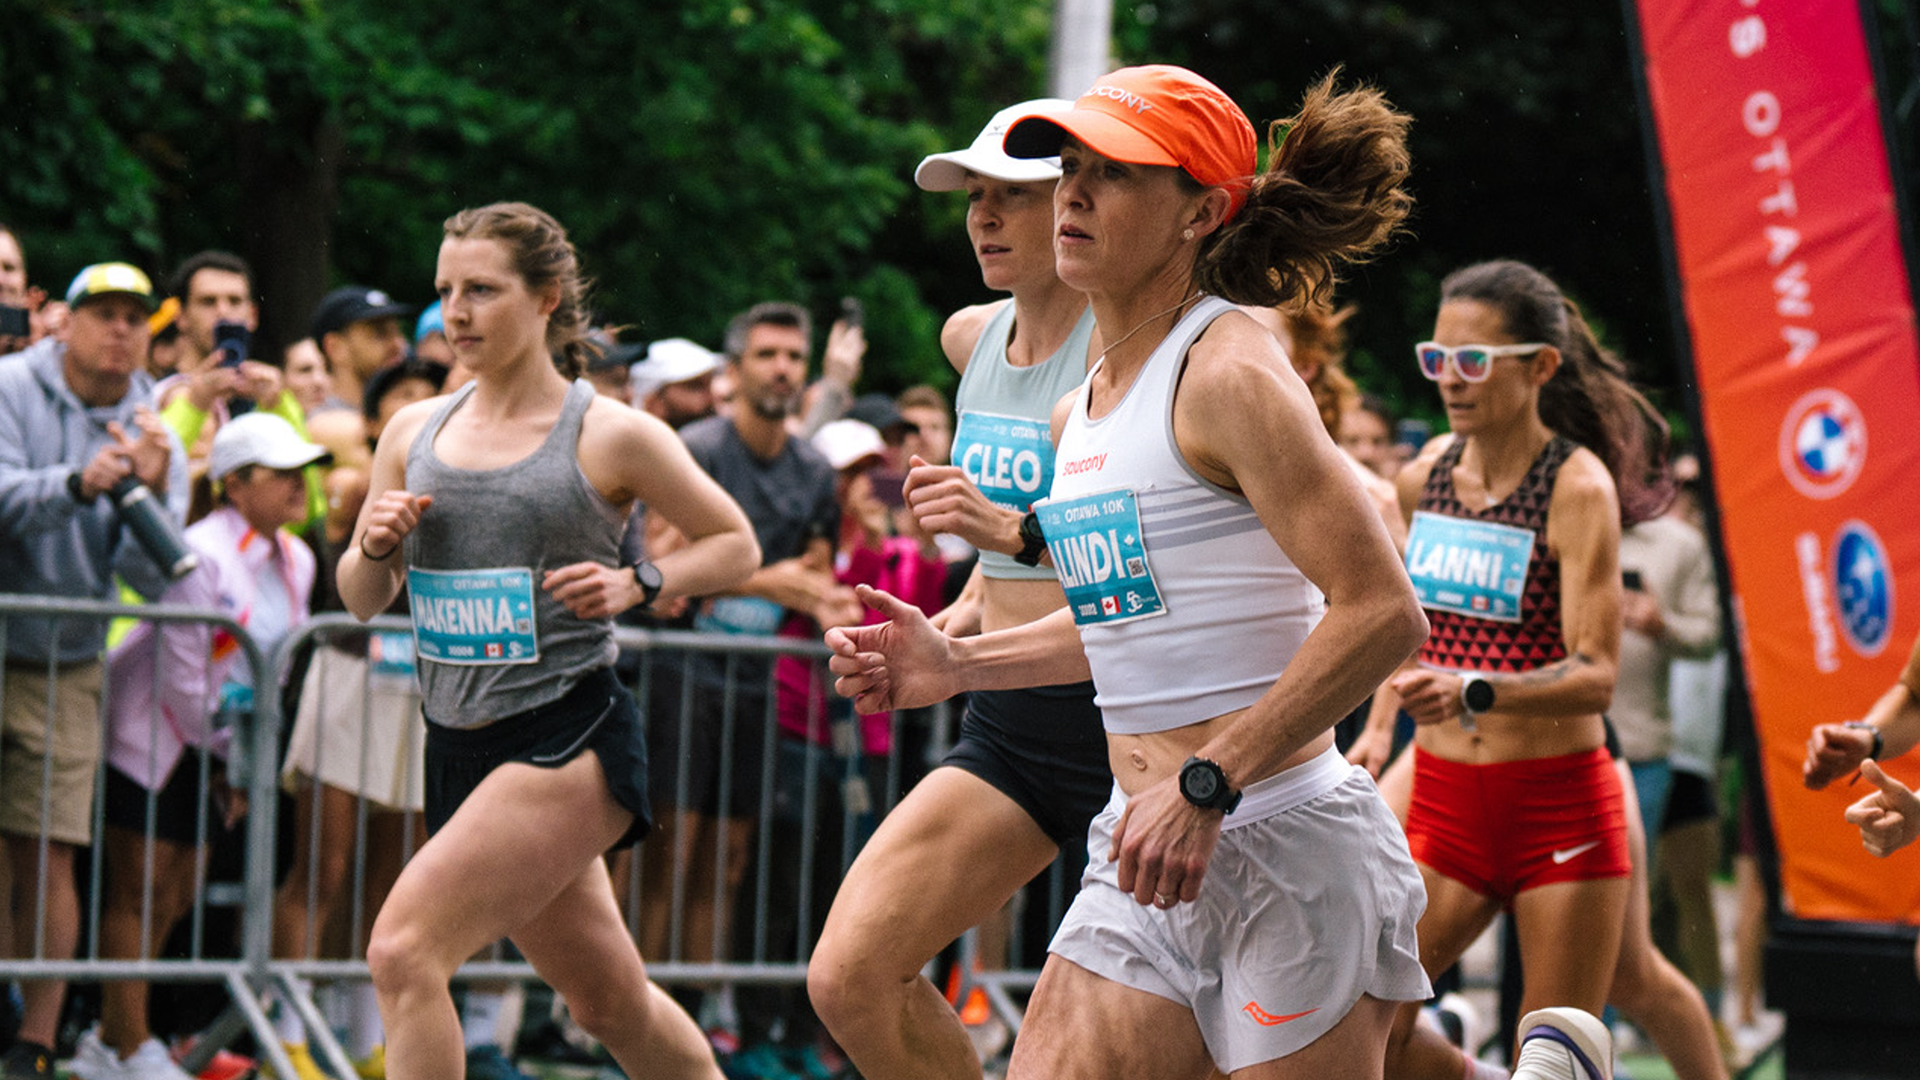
pixel 1186 606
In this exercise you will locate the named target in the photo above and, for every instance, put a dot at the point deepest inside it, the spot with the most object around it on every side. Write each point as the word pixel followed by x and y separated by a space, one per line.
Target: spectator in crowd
pixel 787 491
pixel 928 410
pixel 359 330
pixel 75 421
pixel 44 318
pixel 310 378
pixel 208 386
pixel 676 381
pixel 1689 847
pixel 610 370
pixel 163 343
pixel 1367 435
pixel 829 397
pixel 430 337
pixel 1671 611
pixel 171 686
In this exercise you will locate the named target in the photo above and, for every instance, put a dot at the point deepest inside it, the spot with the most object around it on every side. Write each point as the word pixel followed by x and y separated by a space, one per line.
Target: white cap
pixel 259 438
pixel 948 172
pixel 671 361
pixel 847 442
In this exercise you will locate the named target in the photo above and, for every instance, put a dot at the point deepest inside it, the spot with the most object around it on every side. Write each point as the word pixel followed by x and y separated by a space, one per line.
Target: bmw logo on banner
pixel 1823 443
pixel 1863 582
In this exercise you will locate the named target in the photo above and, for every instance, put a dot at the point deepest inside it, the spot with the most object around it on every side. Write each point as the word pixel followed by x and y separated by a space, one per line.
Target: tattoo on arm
pixel 1554 673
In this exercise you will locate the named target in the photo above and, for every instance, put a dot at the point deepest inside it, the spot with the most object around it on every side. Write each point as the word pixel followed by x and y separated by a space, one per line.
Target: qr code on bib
pixel 1136 567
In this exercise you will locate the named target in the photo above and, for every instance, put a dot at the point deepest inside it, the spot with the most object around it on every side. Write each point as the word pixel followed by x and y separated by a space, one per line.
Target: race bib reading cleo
pixel 1097 550
pixel 473 616
pixel 1009 459
pixel 1474 568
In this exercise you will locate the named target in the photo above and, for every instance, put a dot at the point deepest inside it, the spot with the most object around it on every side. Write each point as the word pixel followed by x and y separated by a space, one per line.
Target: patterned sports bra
pixel 1490 587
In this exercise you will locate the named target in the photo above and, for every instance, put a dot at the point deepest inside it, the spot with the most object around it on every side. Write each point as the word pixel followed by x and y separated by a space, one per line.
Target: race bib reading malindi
pixel 1102 562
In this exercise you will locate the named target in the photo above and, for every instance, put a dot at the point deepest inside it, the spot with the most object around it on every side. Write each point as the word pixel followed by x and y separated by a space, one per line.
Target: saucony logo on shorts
pixel 1267 1019
pixel 1573 852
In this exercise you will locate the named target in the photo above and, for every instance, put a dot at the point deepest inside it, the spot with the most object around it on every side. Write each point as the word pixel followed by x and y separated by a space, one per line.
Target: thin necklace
pixel 1143 323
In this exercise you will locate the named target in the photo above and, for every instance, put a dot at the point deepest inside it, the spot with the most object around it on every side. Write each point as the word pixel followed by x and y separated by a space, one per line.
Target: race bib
pixel 390 657
pixel 1472 568
pixel 1102 562
pixel 473 616
pixel 739 615
pixel 1009 459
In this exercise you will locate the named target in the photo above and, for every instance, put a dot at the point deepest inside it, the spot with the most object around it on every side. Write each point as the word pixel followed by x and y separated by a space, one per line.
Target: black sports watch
pixel 648 575
pixel 1033 543
pixel 1476 694
pixel 1204 785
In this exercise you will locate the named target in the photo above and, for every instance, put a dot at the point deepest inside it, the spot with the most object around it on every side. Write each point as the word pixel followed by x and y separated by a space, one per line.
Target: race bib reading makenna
pixel 1475 568
pixel 1009 459
pixel 473 616
pixel 1100 557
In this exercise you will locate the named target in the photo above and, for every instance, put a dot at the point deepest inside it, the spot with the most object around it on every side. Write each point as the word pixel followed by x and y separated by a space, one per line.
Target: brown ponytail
pixel 542 256
pixel 1589 399
pixel 1333 194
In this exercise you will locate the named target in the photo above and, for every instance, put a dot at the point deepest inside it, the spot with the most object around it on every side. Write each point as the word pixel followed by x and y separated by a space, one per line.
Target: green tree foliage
pixel 704 154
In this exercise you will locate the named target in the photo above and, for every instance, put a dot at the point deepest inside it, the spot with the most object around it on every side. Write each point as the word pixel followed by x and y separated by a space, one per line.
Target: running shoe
pixel 223 1065
pixel 95 1060
pixel 304 1067
pixel 26 1061
pixel 489 1062
pixel 1563 1044
pixel 374 1065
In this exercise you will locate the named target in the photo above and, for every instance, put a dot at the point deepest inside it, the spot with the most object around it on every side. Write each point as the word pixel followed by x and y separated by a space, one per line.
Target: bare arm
pixel 1245 420
pixel 1834 750
pixel 371 571
pixel 904 662
pixel 628 454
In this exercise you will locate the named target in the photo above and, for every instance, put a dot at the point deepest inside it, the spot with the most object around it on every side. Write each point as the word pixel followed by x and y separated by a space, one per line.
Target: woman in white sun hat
pixel 1029 769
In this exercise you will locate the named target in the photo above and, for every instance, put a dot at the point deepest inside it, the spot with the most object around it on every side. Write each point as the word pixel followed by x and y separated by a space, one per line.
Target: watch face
pixel 1200 784
pixel 648 575
pixel 1479 695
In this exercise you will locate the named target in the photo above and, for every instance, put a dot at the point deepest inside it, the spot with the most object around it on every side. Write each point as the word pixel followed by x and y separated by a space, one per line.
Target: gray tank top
pixel 490 642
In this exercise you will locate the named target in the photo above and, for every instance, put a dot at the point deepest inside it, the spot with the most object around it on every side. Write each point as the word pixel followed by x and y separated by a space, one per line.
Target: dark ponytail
pixel 542 256
pixel 1589 399
pixel 1333 193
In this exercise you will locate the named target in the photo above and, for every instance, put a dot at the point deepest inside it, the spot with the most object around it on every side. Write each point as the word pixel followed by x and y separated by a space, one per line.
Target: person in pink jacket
pixel 171 686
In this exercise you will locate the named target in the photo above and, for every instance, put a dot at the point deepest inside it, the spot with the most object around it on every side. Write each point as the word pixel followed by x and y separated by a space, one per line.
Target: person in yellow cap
pixel 75 422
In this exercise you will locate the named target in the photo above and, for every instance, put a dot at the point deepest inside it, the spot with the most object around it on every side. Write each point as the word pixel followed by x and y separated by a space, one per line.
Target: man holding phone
pixel 216 378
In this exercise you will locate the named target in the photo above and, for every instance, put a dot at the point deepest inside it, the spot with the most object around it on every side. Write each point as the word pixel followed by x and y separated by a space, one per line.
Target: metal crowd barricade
pixel 808 790
pixel 241 966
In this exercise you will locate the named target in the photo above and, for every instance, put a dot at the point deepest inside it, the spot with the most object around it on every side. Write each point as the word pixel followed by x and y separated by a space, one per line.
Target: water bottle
pixel 153 527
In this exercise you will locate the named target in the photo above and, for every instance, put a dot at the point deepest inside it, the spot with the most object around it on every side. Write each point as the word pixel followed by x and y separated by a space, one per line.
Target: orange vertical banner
pixel 1796 296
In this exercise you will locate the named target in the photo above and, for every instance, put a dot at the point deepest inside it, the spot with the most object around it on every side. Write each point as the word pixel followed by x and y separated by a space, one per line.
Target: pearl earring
pixel 1188 235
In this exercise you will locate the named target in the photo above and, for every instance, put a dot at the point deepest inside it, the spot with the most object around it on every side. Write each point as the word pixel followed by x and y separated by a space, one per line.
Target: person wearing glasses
pixel 1513 545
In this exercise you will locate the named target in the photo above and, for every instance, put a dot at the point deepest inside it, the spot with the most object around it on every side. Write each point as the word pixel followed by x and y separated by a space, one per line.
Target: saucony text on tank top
pixel 489 641
pixel 1003 440
pixel 1187 608
pixel 1490 587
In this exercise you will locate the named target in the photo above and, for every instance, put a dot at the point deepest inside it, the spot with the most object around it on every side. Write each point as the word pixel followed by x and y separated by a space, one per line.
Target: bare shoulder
pixel 1236 355
pixel 407 424
pixel 613 427
pixel 1584 486
pixel 963 329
